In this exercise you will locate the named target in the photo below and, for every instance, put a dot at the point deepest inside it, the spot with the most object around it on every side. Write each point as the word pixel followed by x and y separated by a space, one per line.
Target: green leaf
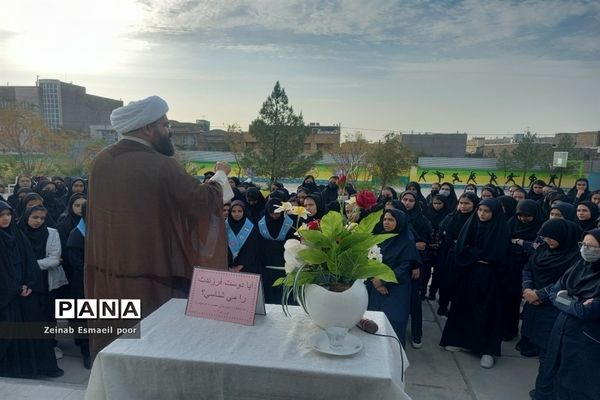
pixel 279 281
pixel 314 238
pixel 313 256
pixel 367 224
pixel 332 225
pixel 375 269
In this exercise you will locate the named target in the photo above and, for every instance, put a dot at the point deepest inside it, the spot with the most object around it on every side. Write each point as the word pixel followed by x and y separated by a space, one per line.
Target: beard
pixel 164 145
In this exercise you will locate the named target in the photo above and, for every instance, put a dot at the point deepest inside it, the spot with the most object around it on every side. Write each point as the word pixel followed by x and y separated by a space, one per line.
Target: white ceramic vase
pixel 343 309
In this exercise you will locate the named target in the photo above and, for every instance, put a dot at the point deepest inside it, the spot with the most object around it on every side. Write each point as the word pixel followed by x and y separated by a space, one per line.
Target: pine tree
pixel 280 136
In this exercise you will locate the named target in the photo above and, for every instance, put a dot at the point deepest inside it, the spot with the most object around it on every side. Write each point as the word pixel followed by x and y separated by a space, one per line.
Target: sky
pixel 480 67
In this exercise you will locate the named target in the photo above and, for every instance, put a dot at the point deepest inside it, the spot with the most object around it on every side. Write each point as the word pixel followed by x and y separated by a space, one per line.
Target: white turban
pixel 138 114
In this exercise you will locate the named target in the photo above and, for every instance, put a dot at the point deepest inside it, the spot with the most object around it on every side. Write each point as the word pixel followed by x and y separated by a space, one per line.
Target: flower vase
pixel 341 309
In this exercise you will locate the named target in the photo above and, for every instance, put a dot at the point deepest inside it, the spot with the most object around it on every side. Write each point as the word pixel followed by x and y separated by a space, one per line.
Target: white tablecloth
pixel 180 357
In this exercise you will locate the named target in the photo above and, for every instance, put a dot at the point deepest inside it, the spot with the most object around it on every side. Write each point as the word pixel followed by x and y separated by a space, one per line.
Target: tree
pixel 280 136
pixel 235 141
pixel 529 154
pixel 389 158
pixel 24 133
pixel 351 155
pixel 506 161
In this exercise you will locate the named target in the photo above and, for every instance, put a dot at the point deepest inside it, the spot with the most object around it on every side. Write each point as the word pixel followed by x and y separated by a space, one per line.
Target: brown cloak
pixel 148 224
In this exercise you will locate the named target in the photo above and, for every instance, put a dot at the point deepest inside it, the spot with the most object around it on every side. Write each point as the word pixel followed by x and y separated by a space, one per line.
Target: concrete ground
pixel 434 374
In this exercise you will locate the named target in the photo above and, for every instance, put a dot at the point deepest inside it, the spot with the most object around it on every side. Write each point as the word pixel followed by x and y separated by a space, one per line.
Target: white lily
pixel 300 211
pixel 284 207
pixel 375 254
pixel 292 261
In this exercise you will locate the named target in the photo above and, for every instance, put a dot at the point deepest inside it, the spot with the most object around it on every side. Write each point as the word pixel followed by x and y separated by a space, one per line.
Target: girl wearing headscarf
pixel 20 301
pixel 52 203
pixel 551 259
pixel 523 229
pixel 331 191
pixel 435 189
pixel 573 352
pixel 447 189
pixel 470 187
pixel 67 222
pixel 595 197
pixel 587 215
pixel 536 191
pixel 579 192
pixel 46 246
pixel 388 193
pixel 400 254
pixel 77 186
pixel 488 192
pixel 563 210
pixel 315 207
pixel 415 187
pixel 436 212
pixel 22 182
pixel 309 184
pixel 28 201
pixel 519 194
pixel 421 228
pixel 255 205
pixel 450 228
pixel 274 229
pixel 75 257
pixel 242 240
pixel 508 205
pixel 475 318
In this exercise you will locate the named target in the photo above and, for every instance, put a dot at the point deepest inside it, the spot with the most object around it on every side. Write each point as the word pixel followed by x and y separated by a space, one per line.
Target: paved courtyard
pixel 434 374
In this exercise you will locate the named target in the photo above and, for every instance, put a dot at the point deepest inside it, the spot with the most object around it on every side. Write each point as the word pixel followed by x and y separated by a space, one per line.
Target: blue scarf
pixel 237 242
pixel 264 231
pixel 81 227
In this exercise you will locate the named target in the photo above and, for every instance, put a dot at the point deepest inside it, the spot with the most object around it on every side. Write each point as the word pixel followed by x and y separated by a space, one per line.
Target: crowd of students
pixel 42 226
pixel 489 258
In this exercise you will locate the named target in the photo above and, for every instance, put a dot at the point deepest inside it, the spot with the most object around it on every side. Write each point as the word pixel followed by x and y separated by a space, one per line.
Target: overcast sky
pixel 481 67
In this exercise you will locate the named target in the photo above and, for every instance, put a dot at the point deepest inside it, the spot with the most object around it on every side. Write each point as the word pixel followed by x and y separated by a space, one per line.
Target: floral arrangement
pixel 332 254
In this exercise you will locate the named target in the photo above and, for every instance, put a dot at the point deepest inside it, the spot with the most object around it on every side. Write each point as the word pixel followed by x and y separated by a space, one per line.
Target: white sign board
pixel 560 159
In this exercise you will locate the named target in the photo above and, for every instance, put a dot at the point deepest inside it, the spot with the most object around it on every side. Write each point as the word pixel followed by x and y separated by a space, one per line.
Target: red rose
pixel 342 181
pixel 314 225
pixel 366 199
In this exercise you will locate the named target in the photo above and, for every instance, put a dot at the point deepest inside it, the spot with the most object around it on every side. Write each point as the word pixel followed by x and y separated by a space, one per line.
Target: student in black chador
pixel 21 300
pixel 75 254
pixel 475 318
pixel 587 215
pixel 315 206
pixel 274 229
pixel 242 240
pixel 436 212
pixel 45 242
pixel 579 192
pixel 22 182
pixel 67 222
pixel 524 227
pixel 573 353
pixel 450 228
pixel 310 185
pixel 255 205
pixel 551 259
pixel 421 228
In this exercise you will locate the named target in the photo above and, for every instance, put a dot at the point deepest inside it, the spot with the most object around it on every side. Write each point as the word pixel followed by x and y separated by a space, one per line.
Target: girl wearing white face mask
pixel 573 353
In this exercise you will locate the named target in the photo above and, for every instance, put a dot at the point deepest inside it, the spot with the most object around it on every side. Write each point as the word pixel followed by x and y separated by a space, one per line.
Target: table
pixel 181 357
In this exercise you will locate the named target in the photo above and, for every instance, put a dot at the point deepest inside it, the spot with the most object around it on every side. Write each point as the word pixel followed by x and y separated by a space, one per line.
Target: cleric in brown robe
pixel 149 222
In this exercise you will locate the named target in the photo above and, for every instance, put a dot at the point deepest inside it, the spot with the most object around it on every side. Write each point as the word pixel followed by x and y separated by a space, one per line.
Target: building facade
pixel 436 144
pixel 63 105
pixel 194 136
